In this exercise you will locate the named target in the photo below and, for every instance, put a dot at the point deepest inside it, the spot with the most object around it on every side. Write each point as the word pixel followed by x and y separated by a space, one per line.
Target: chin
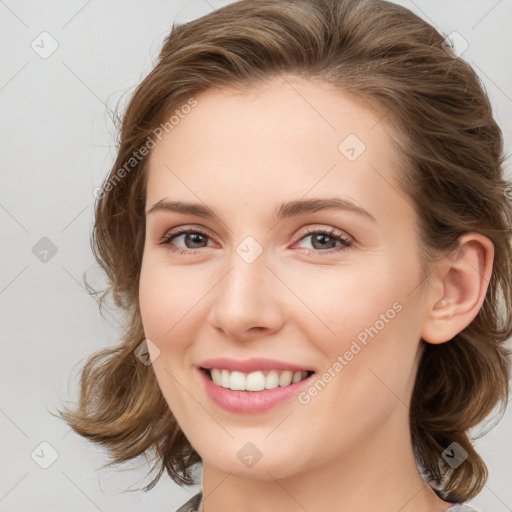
pixel 246 460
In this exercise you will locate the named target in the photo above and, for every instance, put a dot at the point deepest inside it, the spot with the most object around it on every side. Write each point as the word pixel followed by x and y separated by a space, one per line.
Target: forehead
pixel 284 140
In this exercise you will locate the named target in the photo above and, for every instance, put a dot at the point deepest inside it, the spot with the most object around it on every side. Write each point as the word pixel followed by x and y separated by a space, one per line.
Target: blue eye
pixel 198 237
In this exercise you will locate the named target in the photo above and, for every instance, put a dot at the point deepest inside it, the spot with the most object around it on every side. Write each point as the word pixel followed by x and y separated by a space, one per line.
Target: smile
pixel 252 386
pixel 256 380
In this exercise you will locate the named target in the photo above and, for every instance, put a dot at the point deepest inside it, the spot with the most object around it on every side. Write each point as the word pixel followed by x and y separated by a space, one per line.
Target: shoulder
pixel 192 504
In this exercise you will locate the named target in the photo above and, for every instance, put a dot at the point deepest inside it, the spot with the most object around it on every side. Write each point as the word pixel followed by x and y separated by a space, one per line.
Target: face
pixel 330 286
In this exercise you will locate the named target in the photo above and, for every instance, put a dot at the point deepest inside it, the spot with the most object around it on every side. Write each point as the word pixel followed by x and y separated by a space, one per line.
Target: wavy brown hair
pixel 451 167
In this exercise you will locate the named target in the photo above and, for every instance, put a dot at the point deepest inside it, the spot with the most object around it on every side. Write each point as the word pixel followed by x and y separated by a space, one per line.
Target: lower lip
pixel 250 401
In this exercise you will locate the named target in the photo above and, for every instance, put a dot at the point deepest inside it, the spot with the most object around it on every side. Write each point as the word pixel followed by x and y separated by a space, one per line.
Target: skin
pixel 242 154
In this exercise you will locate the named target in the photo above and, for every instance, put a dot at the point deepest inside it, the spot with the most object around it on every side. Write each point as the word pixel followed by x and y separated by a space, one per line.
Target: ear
pixel 459 289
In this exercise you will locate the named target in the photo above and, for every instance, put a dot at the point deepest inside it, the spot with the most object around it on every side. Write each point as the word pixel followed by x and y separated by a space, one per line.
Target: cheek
pixel 376 301
pixel 372 325
pixel 346 301
pixel 167 297
pixel 153 302
pixel 164 316
pixel 159 302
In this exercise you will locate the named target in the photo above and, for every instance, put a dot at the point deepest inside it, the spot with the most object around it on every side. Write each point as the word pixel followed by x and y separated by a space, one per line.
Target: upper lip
pixel 251 365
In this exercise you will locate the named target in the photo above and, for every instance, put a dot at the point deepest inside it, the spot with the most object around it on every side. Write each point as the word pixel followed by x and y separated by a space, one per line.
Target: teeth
pixel 286 378
pixel 255 381
pixel 297 377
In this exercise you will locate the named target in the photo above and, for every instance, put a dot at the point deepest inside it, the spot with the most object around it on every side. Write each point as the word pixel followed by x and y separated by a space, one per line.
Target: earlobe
pixel 463 279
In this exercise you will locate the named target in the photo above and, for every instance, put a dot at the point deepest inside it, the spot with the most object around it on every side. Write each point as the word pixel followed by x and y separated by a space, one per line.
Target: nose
pixel 248 300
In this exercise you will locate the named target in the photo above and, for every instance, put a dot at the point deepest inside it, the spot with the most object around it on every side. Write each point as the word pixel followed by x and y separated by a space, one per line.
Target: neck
pixel 380 474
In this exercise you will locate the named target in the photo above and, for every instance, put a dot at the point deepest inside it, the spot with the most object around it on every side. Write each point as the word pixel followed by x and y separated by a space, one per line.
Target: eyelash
pixel 345 243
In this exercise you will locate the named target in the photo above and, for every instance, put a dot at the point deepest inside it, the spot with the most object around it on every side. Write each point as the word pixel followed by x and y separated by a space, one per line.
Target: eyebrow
pixel 282 211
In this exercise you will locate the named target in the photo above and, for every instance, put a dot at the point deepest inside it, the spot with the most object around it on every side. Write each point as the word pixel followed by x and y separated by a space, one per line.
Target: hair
pixel 451 167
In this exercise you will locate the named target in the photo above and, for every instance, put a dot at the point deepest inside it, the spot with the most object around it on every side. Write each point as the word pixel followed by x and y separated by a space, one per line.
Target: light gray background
pixel 57 144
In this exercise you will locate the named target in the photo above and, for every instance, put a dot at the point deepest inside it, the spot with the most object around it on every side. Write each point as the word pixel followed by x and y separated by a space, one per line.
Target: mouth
pixel 254 381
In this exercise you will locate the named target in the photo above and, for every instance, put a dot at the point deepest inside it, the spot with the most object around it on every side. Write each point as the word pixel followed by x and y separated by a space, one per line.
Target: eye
pixel 326 241
pixel 193 238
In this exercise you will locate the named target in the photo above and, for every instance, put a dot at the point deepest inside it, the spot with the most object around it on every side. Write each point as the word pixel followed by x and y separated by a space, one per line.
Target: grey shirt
pixel 192 505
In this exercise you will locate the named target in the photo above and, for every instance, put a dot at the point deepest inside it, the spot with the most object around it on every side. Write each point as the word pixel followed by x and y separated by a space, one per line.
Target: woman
pixel 307 223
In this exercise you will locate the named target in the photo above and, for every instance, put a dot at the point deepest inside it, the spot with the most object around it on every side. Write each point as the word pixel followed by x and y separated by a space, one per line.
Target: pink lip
pixel 252 365
pixel 249 401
